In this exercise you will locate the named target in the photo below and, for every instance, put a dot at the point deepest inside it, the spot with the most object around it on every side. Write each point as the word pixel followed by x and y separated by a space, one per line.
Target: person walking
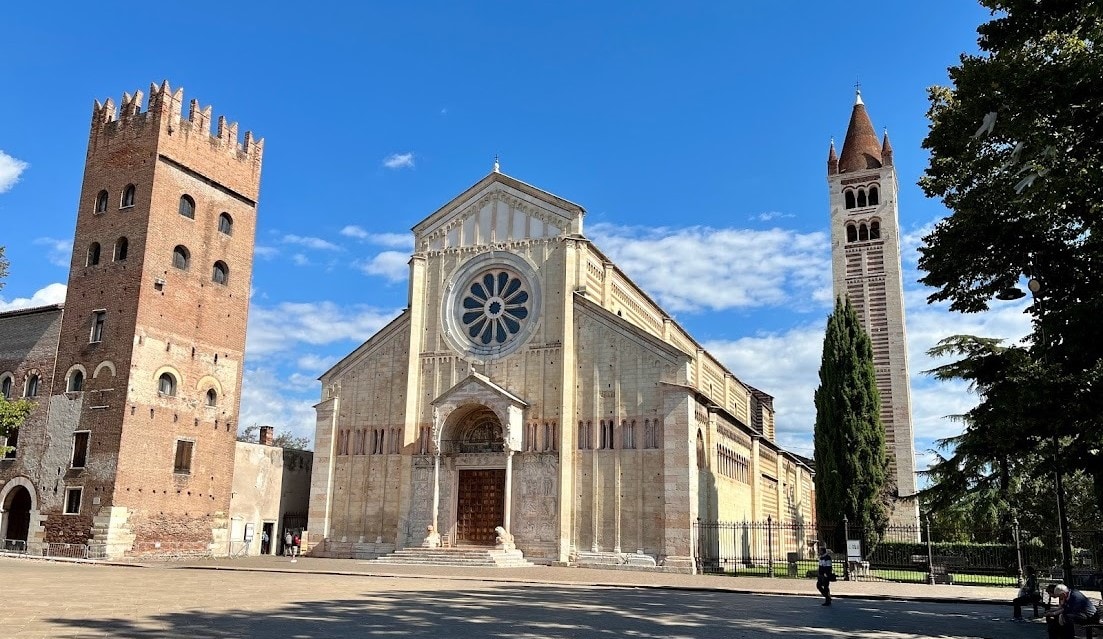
pixel 287 543
pixel 296 543
pixel 825 575
pixel 1029 594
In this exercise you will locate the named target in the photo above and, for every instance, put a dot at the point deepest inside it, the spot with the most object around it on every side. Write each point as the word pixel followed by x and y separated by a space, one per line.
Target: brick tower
pixel 865 257
pixel 153 332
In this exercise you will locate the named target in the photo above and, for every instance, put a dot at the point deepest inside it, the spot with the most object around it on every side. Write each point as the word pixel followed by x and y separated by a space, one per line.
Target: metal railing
pixel 915 553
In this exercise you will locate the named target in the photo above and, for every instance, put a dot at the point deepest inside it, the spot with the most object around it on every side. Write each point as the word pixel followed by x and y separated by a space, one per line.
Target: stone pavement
pixel 328 598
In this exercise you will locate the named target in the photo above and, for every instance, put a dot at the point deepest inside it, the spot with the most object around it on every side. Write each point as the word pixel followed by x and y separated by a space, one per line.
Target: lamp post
pixel 1013 293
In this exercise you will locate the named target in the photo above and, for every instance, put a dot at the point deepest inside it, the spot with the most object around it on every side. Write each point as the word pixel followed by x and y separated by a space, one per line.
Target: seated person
pixel 1072 608
pixel 1029 594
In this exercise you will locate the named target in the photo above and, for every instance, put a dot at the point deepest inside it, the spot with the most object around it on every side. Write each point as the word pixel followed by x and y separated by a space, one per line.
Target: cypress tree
pixel 851 466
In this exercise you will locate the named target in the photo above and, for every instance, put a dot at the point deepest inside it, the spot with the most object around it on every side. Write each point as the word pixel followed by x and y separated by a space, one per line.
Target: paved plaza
pixel 315 598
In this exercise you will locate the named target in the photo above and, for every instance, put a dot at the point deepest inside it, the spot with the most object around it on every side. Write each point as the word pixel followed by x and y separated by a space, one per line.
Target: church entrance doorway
pixel 17 519
pixel 480 506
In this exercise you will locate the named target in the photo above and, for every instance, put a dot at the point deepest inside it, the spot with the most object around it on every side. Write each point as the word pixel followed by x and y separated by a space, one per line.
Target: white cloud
pixel 399 161
pixel 10 170
pixel 700 268
pixel 286 326
pixel 265 252
pixel 299 259
pixel 390 240
pixel 50 294
pixel 268 400
pixel 392 265
pixel 311 242
pixel 770 216
pixel 58 252
pixel 315 364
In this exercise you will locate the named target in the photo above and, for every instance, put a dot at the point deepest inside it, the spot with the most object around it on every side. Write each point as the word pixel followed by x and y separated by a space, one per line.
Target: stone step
pixel 477 557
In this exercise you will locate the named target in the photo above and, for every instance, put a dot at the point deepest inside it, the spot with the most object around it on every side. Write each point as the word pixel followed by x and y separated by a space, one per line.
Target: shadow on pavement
pixel 535 612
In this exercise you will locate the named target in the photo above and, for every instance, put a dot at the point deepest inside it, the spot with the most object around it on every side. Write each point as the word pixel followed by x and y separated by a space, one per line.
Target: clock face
pixel 490 306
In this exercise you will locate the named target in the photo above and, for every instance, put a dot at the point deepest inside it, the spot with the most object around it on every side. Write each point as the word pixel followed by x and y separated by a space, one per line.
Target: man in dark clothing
pixel 824 574
pixel 1028 594
pixel 1073 608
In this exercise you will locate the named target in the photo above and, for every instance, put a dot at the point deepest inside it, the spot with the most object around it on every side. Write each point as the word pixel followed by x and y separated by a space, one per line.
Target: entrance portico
pixel 477 428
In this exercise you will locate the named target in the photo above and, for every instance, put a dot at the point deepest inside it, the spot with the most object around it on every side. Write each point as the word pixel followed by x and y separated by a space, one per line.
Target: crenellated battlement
pixel 165 112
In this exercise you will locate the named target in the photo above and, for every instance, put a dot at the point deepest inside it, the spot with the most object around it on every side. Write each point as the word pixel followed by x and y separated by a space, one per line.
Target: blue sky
pixel 694 134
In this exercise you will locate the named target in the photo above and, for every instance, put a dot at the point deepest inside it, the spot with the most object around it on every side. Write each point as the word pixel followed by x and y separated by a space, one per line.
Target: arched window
pixel 874 230
pixel 863 233
pixel 861 198
pixel 187 206
pixel 221 273
pixel 5 386
pixel 851 233
pixel 101 202
pixel 849 199
pixel 76 382
pixel 181 258
pixel 212 397
pixel 166 385
pixel 121 246
pixel 128 197
pixel 226 224
pixel 93 254
pixel 873 196
pixel 32 387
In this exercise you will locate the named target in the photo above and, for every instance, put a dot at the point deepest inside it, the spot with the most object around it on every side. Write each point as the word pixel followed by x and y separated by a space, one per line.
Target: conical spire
pixel 832 159
pixel 886 150
pixel 861 150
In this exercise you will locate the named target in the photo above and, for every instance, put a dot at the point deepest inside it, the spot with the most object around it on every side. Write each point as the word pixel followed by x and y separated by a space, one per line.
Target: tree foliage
pixel 851 467
pixel 12 416
pixel 1016 154
pixel 282 439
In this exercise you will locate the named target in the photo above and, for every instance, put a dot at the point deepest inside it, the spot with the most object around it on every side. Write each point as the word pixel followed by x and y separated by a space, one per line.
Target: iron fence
pixel 900 553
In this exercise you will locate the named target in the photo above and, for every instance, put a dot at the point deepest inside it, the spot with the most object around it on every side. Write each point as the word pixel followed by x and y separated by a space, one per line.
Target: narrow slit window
pixel 93 254
pixel 80 449
pixel 99 318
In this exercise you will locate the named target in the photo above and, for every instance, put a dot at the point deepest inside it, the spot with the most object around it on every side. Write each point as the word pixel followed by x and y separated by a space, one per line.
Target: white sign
pixel 249 528
pixel 854 549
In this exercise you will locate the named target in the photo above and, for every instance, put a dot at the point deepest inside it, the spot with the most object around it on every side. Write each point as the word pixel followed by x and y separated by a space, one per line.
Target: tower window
pixel 181 258
pixel 187 206
pixel 93 254
pixel 72 501
pixel 212 397
pixel 863 233
pixel 873 196
pixel 861 198
pixel 128 197
pixel 166 385
pixel 98 320
pixel 851 233
pixel 5 386
pixel 182 463
pixel 76 382
pixel 226 224
pixel 101 202
pixel 220 273
pixel 874 230
pixel 31 389
pixel 849 195
pixel 80 449
pixel 121 246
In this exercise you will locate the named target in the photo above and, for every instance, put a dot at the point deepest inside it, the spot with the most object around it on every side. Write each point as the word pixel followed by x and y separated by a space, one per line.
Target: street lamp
pixel 1013 293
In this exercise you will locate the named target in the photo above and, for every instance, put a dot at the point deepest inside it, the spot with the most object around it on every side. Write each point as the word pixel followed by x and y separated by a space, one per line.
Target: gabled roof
pixel 554 202
pixel 477 379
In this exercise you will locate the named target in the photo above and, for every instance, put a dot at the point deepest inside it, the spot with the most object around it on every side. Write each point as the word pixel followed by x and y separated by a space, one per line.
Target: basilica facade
pixel 531 396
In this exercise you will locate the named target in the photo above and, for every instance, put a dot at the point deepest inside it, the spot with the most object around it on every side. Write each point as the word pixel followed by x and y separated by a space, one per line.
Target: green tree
pixel 282 439
pixel 851 467
pixel 12 416
pixel 1016 155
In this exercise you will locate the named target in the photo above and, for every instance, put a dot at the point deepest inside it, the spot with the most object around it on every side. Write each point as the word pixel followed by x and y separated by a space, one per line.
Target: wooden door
pixel 480 506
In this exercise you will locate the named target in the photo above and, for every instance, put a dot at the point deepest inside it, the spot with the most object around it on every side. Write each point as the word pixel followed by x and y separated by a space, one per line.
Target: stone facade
pixel 269 482
pixel 135 429
pixel 530 385
pixel 865 251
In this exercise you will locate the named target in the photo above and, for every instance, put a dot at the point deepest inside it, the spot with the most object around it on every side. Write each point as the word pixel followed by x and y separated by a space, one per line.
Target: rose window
pixel 495 307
